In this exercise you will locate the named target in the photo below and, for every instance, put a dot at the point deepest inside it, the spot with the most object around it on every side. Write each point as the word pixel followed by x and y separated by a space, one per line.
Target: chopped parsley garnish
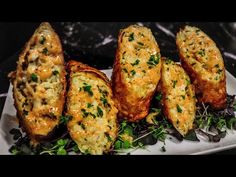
pixel 133 72
pixel 179 108
pixel 104 101
pixel 217 66
pixel 87 88
pixel 82 125
pixel 136 62
pixel 45 51
pixel 131 37
pixel 92 115
pixel 174 83
pixel 140 43
pixel 188 82
pixel 141 34
pixel 89 105
pixel 103 92
pixel 153 60
pixel 55 72
pixel 202 52
pixel 125 70
pixel 99 112
pixel 34 77
pixel 219 71
pixel 42 40
pixel 108 137
pixel 183 96
pixel 85 113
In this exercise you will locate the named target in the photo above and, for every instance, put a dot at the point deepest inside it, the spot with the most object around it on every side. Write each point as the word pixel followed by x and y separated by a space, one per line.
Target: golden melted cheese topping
pixel 201 52
pixel 40 78
pixel 179 96
pixel 93 126
pixel 139 59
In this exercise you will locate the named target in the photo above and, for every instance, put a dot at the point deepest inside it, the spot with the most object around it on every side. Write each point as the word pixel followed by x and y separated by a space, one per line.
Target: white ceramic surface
pixel 9 121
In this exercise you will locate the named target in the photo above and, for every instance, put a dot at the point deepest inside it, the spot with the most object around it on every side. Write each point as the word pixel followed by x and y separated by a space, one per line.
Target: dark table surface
pixel 95 44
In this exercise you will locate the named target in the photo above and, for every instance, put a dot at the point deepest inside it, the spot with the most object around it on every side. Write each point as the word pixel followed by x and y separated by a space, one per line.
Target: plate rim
pixel 207 151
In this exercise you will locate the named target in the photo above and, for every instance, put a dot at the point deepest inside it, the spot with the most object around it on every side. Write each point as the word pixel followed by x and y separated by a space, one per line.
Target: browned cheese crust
pixel 39 84
pixel 179 102
pixel 136 72
pixel 90 103
pixel 203 61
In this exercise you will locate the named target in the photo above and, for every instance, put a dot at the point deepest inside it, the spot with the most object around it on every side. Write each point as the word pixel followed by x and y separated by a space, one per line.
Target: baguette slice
pixel 136 72
pixel 39 84
pixel 90 103
pixel 202 60
pixel 179 102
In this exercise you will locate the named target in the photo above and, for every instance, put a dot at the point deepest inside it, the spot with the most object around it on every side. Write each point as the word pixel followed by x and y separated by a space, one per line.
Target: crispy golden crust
pixel 136 72
pixel 90 103
pixel 202 60
pixel 75 66
pixel 39 84
pixel 179 102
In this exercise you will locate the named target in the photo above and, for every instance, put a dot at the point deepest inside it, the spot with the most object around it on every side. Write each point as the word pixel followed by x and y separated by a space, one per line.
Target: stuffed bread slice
pixel 39 84
pixel 203 61
pixel 136 72
pixel 90 104
pixel 179 102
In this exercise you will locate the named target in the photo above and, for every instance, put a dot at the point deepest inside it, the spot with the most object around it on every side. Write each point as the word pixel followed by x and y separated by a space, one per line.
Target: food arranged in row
pixel 46 89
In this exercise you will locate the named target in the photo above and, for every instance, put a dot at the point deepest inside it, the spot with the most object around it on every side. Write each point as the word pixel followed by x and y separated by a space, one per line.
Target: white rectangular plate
pixel 9 121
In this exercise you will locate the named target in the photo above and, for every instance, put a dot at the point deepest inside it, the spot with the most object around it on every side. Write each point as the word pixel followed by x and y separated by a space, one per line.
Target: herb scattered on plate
pixel 209 125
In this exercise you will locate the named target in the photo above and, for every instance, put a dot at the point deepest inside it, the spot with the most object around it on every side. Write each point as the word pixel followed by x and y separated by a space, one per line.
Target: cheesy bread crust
pixel 179 102
pixel 203 61
pixel 39 84
pixel 136 72
pixel 90 103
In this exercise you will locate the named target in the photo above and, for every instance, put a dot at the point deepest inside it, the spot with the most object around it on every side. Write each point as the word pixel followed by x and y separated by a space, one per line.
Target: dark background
pixel 95 43
pixel 84 41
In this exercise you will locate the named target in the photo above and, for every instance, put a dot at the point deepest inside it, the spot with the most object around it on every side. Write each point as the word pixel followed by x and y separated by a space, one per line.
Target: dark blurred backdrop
pixel 95 43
